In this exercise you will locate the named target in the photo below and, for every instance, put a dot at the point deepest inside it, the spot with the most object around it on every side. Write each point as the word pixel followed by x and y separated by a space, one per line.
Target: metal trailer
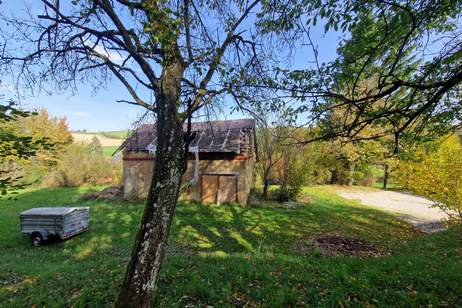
pixel 41 223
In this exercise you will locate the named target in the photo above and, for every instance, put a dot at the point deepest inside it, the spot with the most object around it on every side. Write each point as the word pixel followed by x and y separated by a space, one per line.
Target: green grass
pixel 118 134
pixel 109 150
pixel 232 256
pixel 390 186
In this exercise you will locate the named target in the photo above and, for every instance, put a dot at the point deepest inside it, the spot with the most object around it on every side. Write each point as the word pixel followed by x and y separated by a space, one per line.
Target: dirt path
pixel 415 210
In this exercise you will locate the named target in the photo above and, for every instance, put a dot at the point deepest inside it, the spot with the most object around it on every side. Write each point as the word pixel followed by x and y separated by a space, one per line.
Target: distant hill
pixel 109 140
pixel 118 134
pixel 88 137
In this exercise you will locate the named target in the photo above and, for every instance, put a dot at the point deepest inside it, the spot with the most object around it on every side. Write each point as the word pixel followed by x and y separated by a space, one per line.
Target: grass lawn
pixel 109 150
pixel 118 134
pixel 233 256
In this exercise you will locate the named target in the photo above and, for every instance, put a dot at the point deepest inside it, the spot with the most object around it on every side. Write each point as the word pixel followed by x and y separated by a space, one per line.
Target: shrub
pixel 436 174
pixel 80 164
pixel 287 193
pixel 365 177
pixel 294 170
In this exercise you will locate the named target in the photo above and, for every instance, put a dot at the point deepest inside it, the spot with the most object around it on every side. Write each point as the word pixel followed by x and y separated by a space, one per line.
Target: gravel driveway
pixel 415 210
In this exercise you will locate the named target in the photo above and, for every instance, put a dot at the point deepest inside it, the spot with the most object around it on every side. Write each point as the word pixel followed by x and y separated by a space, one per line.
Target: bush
pixel 80 164
pixel 365 177
pixel 436 175
pixel 287 193
pixel 294 170
pixel 320 175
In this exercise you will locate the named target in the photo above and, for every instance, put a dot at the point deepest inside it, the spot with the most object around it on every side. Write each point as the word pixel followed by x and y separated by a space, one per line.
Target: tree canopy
pixel 409 53
pixel 14 145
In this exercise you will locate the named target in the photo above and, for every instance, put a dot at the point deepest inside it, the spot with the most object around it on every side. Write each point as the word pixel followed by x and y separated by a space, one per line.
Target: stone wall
pixel 138 168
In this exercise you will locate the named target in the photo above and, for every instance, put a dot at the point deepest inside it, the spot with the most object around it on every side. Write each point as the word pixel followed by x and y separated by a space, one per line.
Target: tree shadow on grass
pixel 414 278
pixel 88 268
pixel 85 267
pixel 112 226
pixel 226 228
pixel 232 228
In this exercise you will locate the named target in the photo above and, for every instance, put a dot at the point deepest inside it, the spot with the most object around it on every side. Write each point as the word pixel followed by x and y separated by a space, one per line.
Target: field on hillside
pixel 109 150
pixel 232 256
pixel 110 141
pixel 88 137
pixel 118 134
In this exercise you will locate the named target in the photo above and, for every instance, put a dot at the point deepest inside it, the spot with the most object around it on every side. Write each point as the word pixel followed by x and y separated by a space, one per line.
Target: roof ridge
pixel 212 136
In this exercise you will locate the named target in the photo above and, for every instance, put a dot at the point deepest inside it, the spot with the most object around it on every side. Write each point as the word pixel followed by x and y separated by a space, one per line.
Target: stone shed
pixel 221 161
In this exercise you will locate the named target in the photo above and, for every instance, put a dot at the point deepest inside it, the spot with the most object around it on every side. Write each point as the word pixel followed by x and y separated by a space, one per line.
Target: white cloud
pixel 114 56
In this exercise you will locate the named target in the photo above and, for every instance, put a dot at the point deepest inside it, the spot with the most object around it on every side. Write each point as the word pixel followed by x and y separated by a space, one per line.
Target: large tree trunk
pixel 266 182
pixel 351 172
pixel 335 177
pixel 386 174
pixel 265 188
pixel 142 274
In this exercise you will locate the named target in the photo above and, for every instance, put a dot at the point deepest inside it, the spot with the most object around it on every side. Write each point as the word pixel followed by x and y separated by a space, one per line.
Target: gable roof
pixel 230 136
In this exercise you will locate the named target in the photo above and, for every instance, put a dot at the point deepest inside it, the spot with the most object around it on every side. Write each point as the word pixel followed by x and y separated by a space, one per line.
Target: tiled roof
pixel 231 136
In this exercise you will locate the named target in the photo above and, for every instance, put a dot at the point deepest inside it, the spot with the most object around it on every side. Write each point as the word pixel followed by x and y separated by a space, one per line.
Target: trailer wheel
pixel 36 239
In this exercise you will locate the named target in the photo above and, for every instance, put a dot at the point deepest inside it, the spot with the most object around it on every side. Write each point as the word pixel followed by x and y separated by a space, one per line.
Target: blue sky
pixel 99 111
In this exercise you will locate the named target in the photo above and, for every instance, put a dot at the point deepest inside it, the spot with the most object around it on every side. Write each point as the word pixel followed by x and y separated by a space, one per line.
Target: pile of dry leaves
pixel 333 245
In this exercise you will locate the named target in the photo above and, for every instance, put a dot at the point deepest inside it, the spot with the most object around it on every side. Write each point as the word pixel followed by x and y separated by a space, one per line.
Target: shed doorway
pixel 218 188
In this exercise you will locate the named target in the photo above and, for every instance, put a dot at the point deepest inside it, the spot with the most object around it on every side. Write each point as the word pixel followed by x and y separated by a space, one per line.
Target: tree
pixel 282 159
pixel 95 146
pixel 352 157
pixel 435 171
pixel 94 168
pixel 15 145
pixel 41 126
pixel 408 50
pixel 269 148
pixel 173 57
pixel 292 168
